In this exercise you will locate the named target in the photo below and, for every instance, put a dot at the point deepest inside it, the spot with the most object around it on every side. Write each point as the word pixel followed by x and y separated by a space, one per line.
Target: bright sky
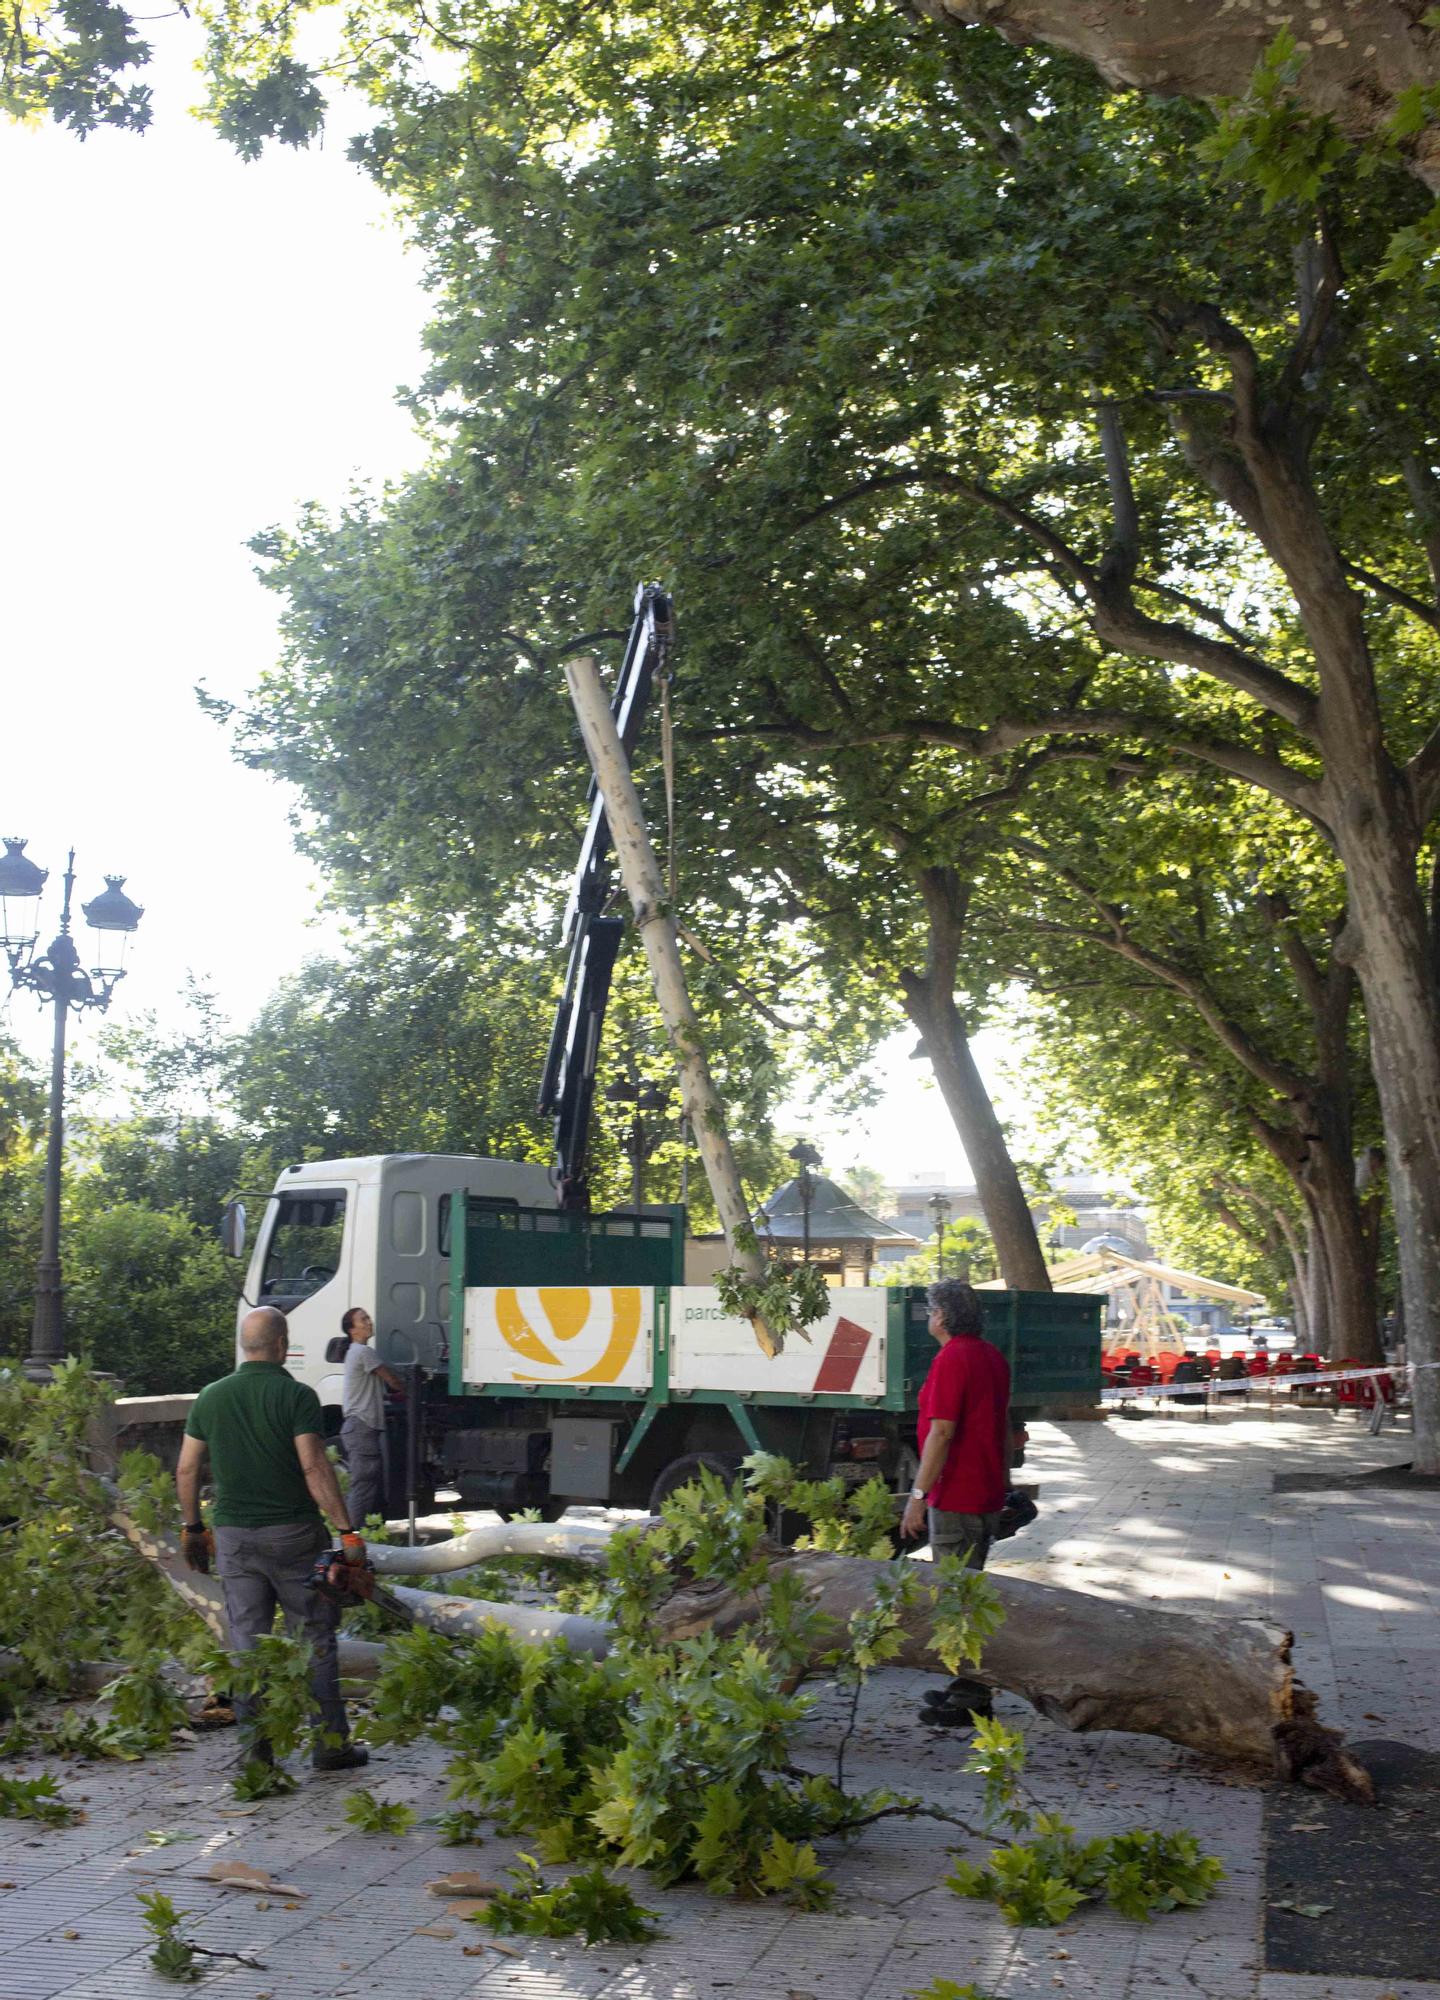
pixel 195 346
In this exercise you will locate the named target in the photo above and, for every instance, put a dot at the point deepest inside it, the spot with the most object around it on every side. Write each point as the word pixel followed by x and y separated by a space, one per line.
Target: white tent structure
pixel 1136 1288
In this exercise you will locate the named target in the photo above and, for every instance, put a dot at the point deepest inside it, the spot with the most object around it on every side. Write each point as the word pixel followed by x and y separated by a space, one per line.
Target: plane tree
pixel 973 329
pixel 1144 1108
pixel 1186 929
pixel 1213 429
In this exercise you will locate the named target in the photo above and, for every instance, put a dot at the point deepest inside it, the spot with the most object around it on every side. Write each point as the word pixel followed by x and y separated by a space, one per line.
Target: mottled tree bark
pixel 1224 1686
pixel 1360 55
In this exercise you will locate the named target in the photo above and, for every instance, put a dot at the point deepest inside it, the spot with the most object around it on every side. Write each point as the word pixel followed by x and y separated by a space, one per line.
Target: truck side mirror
pixel 232 1229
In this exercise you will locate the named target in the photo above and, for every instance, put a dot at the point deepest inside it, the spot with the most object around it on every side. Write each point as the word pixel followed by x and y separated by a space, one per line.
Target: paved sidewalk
pixel 1161 1508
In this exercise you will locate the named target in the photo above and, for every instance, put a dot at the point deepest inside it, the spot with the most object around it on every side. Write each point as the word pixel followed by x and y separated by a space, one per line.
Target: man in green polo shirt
pixel 262 1431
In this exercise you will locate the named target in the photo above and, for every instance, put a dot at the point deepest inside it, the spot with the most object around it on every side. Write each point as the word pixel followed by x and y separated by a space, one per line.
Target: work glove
pixel 197 1545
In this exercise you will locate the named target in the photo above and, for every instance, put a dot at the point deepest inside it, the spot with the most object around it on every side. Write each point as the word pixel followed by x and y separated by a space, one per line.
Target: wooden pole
pixel 655 920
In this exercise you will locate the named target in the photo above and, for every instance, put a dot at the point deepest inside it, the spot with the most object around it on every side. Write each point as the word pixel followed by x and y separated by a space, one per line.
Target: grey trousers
pixel 262 1569
pixel 968 1536
pixel 367 1461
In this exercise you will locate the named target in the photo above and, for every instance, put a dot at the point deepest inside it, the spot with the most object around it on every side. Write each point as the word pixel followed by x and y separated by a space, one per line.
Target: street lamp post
pixel 644 1097
pixel 939 1207
pixel 57 976
pixel 805 1157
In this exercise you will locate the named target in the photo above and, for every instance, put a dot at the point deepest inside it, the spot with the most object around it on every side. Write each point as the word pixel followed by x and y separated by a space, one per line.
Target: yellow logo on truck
pixel 569 1311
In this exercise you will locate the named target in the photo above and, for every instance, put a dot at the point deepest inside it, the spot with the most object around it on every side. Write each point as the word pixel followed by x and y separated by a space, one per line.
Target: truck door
pixel 305 1272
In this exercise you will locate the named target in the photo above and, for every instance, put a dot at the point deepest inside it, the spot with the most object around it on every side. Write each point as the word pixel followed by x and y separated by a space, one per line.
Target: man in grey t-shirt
pixel 362 1431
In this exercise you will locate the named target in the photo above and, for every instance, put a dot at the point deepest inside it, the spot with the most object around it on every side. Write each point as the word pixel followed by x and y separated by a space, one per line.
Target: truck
pixel 557 1354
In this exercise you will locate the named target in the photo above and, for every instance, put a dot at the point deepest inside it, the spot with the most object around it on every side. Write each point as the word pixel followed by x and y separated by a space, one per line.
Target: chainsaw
pixel 346 1583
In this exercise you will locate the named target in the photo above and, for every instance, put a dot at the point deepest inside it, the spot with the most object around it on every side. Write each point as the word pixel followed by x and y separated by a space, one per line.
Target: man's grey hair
pixel 263 1332
pixel 958 1305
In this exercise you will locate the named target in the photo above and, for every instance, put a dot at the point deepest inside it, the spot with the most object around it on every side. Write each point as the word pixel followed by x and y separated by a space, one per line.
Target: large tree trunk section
pixel 1358 60
pixel 1222 1686
pixel 929 999
pixel 655 921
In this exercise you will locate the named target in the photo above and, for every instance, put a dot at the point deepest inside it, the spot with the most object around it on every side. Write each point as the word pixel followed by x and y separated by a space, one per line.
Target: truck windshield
pixel 304 1248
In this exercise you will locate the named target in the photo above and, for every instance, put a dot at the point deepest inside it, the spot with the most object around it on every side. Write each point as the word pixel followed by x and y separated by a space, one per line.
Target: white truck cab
pixel 372 1232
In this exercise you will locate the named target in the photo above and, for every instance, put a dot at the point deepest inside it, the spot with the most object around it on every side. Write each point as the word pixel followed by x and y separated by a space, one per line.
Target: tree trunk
pixel 655 921
pixel 1348 1262
pixel 929 1000
pixel 1354 71
pixel 1300 1311
pixel 1370 810
pixel 1397 978
pixel 1322 1319
pixel 1224 1686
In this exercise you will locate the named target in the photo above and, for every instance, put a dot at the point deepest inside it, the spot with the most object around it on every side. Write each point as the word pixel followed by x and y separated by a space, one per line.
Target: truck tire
pixel 681 1471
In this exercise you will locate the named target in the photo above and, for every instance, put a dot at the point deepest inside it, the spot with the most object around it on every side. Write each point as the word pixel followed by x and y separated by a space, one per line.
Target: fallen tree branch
pixel 570 1541
pixel 1223 1686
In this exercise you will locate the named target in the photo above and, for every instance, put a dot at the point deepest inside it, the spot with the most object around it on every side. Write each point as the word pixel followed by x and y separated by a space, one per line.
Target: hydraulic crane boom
pixel 567 1087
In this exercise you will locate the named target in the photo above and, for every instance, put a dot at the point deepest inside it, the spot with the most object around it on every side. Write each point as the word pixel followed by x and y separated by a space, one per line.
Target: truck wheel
pixel 681 1471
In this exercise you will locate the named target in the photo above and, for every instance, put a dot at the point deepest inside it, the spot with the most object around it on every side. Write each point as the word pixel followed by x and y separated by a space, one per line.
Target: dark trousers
pixel 263 1570
pixel 968 1536
pixel 367 1461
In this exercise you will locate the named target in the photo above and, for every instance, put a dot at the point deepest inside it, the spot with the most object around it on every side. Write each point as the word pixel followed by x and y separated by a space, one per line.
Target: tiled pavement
pixel 1169 1509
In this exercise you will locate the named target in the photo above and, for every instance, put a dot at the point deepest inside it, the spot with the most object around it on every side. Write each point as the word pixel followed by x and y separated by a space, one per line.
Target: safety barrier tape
pixel 1215 1387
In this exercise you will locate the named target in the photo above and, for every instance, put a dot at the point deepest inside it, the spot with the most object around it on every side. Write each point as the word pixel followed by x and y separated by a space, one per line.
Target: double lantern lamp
pixel 58 976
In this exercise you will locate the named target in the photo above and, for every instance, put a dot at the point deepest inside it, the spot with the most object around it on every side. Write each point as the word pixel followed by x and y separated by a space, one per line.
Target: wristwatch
pixel 917 1492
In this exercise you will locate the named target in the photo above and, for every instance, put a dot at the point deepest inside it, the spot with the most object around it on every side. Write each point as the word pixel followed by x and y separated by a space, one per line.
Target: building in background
pixel 1100 1212
pixel 811 1219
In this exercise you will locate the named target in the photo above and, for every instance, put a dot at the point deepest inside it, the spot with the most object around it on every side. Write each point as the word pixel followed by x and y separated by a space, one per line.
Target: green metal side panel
pixel 1050 1339
pixel 504 1244
pixel 543 1246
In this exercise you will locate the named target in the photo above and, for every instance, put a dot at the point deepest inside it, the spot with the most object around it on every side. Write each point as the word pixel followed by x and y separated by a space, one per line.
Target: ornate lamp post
pixel 57 976
pixel 939 1207
pixel 805 1157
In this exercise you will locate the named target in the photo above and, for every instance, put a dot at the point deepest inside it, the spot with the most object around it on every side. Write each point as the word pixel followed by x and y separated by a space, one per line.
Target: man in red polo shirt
pixel 964 1438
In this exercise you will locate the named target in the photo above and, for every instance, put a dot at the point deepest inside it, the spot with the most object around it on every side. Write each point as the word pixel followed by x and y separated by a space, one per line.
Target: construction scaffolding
pixel 1138 1319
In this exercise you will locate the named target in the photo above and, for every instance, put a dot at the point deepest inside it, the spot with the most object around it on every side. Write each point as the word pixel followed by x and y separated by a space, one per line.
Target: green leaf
pixel 372 1815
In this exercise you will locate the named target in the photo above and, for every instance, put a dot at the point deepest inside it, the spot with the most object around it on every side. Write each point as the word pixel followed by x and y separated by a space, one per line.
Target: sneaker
pixel 349 1757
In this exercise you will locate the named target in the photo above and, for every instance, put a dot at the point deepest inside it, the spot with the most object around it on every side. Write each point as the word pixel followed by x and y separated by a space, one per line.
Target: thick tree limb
pixel 1357 65
pixel 1237 759
pixel 1403 600
pixel 1114 617
pixel 1223 1686
pixel 1226 1687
